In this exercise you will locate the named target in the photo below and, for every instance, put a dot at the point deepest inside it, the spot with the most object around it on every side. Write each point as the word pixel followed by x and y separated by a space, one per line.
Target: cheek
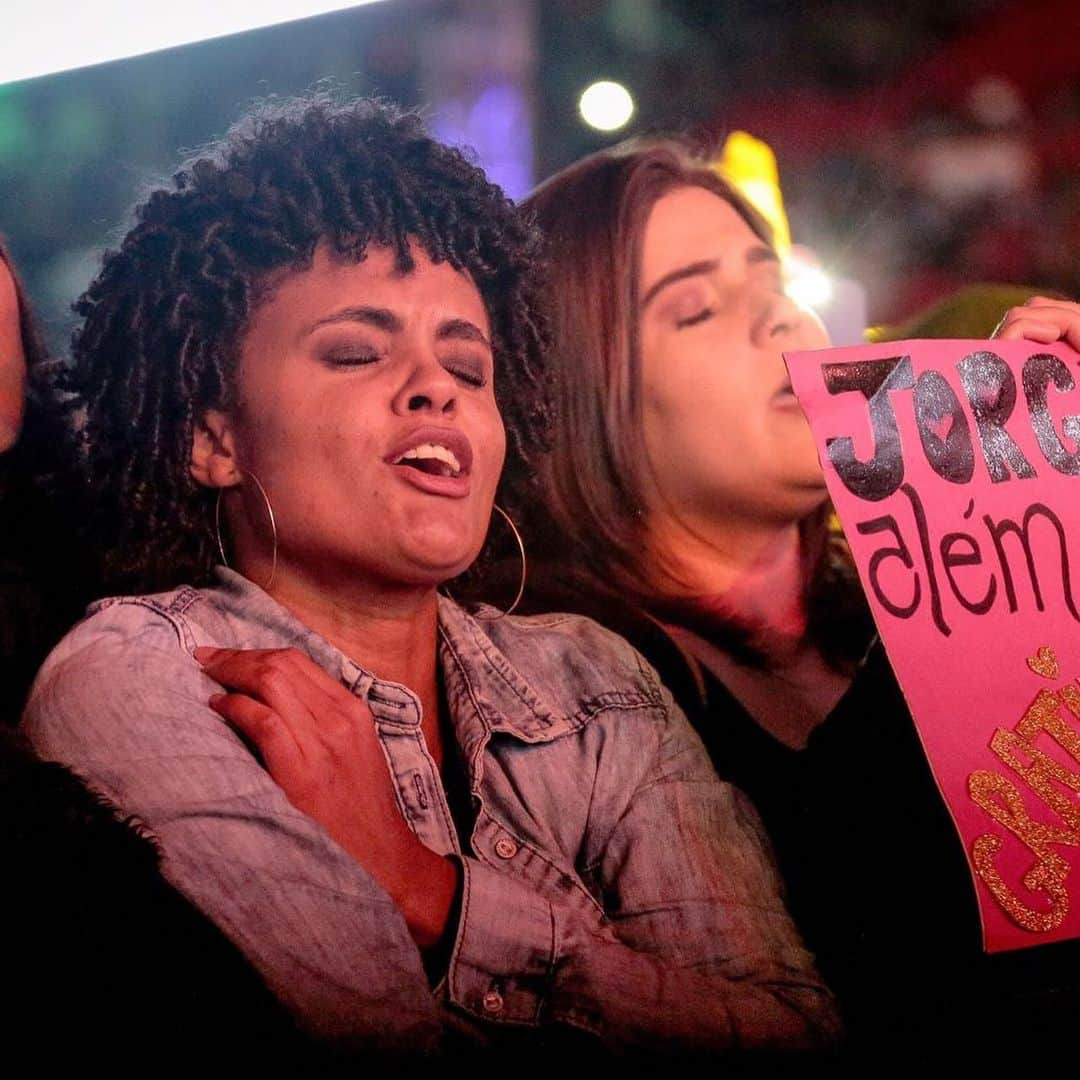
pixel 488 435
pixel 688 402
pixel 500 450
pixel 816 335
pixel 304 453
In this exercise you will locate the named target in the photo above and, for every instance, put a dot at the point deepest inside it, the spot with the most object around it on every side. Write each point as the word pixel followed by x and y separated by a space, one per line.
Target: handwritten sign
pixel 955 469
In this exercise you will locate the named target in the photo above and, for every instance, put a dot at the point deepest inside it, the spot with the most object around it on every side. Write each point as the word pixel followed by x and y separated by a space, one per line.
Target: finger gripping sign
pixel 955 469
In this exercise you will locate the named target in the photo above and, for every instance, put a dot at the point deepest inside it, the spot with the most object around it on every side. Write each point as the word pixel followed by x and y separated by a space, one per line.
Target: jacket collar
pixel 526 696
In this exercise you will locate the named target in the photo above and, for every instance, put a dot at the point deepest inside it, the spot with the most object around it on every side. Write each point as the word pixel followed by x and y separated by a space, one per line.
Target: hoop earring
pixel 269 514
pixel 524 567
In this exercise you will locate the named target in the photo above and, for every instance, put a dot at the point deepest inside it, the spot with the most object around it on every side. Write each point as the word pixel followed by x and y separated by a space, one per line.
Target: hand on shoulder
pixel 319 744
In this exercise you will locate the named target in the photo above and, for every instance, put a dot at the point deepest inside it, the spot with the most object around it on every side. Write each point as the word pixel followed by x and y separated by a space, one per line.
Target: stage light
pixel 606 106
pixel 808 285
pixel 750 164
pixel 41 37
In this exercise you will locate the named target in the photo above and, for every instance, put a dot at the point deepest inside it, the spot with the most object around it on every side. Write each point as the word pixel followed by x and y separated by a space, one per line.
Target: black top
pixel 878 881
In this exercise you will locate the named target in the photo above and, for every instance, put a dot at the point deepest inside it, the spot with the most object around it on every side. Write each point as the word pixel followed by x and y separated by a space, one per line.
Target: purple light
pixel 497 126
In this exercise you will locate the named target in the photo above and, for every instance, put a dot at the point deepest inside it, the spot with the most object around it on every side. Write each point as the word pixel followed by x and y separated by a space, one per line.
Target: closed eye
pixel 351 358
pixel 693 320
pixel 467 373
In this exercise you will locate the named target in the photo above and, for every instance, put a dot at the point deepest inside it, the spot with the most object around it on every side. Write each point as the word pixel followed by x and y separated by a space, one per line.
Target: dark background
pixel 922 145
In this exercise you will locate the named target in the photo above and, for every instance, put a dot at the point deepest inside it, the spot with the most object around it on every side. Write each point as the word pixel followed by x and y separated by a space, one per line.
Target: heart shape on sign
pixel 941 428
pixel 1044 662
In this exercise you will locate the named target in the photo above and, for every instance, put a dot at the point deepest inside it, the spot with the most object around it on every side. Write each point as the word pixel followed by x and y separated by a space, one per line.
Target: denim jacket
pixel 610 881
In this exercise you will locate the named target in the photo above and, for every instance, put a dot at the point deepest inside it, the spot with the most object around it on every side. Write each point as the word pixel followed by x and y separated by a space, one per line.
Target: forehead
pixel 332 282
pixel 691 224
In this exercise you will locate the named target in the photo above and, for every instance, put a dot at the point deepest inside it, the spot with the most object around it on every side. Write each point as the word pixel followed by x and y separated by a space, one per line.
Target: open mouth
pixel 431 458
pixel 435 458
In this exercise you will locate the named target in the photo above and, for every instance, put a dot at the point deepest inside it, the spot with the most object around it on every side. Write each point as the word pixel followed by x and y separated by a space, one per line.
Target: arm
pixel 693 950
pixel 126 707
pixel 12 361
pixel 319 744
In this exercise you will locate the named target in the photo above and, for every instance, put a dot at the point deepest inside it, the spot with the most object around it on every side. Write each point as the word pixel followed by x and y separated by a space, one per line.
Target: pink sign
pixel 955 469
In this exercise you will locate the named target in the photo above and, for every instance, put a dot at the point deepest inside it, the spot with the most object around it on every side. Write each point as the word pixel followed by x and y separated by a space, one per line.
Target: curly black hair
pixel 164 319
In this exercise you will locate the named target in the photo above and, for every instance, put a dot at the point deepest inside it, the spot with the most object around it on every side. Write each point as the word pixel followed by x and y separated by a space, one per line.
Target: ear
pixel 213 451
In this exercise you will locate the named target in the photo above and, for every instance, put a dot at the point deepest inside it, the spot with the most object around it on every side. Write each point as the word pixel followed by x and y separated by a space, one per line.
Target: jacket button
pixel 505 848
pixel 492 1001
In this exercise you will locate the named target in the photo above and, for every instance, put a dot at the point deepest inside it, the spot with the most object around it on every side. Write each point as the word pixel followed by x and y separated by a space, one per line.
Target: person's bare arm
pixel 12 362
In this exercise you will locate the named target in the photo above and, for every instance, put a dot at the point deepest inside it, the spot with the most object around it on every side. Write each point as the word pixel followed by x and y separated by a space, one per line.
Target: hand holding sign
pixel 1041 319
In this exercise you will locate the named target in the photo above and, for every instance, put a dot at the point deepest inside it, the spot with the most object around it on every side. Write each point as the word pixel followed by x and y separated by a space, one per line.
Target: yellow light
pixel 606 106
pixel 750 165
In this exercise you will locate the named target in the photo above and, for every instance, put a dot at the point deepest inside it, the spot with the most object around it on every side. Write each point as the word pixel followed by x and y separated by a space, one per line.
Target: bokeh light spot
pixel 606 106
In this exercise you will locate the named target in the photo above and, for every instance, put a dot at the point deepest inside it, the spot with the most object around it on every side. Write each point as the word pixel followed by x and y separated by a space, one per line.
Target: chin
pixel 806 500
pixel 433 565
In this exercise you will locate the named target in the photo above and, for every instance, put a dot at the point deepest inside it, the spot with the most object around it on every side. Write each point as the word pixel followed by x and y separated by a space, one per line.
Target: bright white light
pixel 606 106
pixel 44 36
pixel 808 286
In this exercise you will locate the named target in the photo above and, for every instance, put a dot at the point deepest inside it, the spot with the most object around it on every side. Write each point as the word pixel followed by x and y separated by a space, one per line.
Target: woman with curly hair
pixel 683 505
pixel 303 364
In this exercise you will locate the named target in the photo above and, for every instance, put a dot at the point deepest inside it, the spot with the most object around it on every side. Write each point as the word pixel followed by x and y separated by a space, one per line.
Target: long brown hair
pixel 589 514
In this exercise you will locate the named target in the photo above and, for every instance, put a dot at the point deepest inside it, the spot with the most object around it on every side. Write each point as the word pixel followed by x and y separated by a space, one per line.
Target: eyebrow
pixel 380 318
pixel 461 330
pixel 760 253
pixel 386 320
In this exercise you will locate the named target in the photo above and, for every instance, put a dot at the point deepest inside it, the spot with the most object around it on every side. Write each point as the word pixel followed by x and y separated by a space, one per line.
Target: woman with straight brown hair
pixel 684 505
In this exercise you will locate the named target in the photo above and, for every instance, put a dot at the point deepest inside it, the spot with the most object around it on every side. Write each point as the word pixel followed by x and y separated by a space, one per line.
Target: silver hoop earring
pixel 524 567
pixel 270 516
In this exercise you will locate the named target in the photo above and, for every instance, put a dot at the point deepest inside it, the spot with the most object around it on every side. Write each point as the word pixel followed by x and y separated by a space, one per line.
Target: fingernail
pixel 214 700
pixel 203 653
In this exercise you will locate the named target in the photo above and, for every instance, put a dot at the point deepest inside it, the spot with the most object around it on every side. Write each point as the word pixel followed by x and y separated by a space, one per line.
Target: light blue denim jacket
pixel 610 882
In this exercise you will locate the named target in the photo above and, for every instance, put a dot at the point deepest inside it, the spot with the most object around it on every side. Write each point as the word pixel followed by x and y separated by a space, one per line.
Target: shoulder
pixel 179 619
pixel 559 587
pixel 575 676
pixel 591 656
pixel 542 677
pixel 129 659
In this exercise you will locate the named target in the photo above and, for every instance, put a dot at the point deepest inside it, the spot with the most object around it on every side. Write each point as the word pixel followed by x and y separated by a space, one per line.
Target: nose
pixel 782 318
pixel 428 388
